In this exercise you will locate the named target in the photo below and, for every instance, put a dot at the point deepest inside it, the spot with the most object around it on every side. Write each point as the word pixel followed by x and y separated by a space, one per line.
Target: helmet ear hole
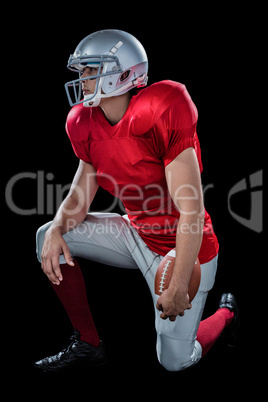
pixel 124 75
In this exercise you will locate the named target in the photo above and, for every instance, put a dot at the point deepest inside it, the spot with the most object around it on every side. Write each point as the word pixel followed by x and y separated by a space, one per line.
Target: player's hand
pixel 54 246
pixel 173 303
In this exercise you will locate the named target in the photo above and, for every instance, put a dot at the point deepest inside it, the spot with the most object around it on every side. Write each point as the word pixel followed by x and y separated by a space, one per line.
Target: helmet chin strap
pixel 95 101
pixel 92 102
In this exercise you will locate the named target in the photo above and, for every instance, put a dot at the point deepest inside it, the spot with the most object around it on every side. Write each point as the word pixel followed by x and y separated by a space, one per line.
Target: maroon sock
pixel 210 329
pixel 72 294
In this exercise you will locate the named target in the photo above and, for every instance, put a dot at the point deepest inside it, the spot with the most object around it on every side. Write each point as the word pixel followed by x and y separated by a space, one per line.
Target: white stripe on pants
pixel 110 239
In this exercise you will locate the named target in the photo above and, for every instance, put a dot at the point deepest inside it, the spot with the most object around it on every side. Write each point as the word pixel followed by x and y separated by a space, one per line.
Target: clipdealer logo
pixel 254 186
pixel 47 196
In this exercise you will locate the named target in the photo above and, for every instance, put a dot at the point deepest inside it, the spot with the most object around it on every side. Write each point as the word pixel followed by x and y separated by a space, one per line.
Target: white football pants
pixel 110 239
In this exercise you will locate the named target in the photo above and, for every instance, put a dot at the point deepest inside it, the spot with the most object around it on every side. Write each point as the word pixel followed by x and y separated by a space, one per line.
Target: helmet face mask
pixel 130 57
pixel 107 66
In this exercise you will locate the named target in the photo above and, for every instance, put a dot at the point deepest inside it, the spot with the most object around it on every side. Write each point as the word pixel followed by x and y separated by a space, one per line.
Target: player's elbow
pixel 193 210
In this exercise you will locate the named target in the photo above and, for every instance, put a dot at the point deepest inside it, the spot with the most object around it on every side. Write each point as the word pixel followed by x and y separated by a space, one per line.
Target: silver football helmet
pixel 121 61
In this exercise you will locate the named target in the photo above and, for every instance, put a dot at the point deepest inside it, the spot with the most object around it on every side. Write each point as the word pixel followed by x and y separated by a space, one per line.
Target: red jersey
pixel 130 159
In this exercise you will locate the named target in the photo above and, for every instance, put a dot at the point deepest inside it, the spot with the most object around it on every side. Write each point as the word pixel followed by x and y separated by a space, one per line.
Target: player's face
pixel 88 86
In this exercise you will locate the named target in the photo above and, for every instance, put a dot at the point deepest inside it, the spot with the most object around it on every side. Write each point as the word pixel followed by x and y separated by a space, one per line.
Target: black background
pixel 214 53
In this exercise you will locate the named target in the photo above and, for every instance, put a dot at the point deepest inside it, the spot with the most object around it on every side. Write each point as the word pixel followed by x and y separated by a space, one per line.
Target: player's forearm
pixel 71 213
pixel 188 242
pixel 74 208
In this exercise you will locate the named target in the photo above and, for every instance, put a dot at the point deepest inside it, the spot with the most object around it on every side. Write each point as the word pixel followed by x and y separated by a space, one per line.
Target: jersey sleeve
pixel 178 122
pixel 77 128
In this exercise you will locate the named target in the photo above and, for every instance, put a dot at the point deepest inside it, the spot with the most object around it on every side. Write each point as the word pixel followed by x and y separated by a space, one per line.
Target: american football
pixel 164 273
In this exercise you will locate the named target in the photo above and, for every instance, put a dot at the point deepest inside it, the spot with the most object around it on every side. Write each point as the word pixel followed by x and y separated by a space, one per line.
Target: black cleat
pixel 76 354
pixel 230 333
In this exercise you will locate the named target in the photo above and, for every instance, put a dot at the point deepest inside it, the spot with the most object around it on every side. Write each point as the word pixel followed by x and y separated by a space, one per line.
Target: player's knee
pixel 177 356
pixel 172 364
pixel 40 237
pixel 177 364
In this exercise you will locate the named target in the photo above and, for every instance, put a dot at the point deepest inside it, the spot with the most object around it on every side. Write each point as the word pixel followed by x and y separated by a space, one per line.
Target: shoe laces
pixel 74 338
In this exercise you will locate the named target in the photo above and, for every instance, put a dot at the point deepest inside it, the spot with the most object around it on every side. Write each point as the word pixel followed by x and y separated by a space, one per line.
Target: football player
pixel 141 145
